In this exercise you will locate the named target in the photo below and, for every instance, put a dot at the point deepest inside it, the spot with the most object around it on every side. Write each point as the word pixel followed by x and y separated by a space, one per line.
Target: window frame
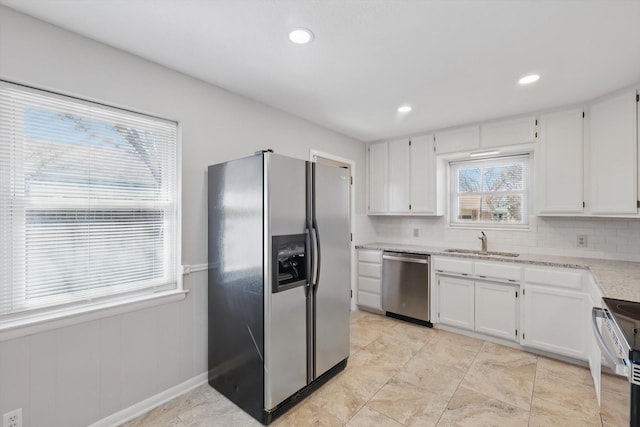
pixel 453 166
pixel 40 319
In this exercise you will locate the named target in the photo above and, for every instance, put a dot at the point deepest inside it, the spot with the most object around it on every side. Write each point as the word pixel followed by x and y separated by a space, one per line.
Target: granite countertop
pixel 617 279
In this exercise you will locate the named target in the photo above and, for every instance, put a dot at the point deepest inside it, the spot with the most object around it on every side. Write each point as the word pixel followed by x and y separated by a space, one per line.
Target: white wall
pixel 607 238
pixel 76 375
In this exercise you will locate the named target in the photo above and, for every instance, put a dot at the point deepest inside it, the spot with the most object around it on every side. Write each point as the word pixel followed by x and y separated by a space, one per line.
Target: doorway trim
pixel 351 166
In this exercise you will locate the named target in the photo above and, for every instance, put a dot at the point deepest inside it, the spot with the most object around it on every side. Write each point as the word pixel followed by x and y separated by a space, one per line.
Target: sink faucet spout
pixel 483 238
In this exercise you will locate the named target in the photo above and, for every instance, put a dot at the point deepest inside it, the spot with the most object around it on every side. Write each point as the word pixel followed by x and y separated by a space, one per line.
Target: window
pixel 490 192
pixel 88 203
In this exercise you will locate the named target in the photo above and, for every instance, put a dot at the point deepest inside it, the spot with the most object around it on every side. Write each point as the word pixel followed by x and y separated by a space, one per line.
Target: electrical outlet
pixel 416 232
pixel 582 241
pixel 12 419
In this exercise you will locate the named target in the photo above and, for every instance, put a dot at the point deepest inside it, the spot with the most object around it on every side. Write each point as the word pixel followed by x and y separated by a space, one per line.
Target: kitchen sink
pixel 481 253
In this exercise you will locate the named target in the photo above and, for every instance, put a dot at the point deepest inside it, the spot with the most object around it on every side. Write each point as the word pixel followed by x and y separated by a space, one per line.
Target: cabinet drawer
pixel 498 270
pixel 370 256
pixel 555 277
pixel 370 300
pixel 369 285
pixel 453 265
pixel 369 270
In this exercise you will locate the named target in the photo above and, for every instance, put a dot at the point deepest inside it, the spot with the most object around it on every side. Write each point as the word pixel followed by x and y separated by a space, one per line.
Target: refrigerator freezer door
pixel 285 340
pixel 332 298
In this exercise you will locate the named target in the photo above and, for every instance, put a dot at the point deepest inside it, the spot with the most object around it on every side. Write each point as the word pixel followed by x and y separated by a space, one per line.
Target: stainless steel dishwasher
pixel 405 286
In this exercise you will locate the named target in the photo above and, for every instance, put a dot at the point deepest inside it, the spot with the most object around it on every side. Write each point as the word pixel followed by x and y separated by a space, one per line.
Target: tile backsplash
pixel 606 238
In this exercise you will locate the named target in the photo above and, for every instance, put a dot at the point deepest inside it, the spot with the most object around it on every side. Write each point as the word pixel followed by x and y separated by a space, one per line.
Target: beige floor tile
pixel 307 414
pixel 472 409
pixel 344 396
pixel 362 335
pixel 437 374
pixel 614 409
pixel 367 417
pixel 615 383
pixel 408 404
pixel 545 414
pixel 503 373
pixel 564 370
pixel 393 350
pixel 571 395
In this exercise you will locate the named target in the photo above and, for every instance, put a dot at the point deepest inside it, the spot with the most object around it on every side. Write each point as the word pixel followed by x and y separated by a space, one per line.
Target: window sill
pixel 50 321
pixel 490 227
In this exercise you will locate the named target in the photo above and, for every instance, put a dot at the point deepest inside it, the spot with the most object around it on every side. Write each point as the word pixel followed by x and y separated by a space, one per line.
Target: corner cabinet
pixel 555 312
pixel 613 150
pixel 403 178
pixel 559 160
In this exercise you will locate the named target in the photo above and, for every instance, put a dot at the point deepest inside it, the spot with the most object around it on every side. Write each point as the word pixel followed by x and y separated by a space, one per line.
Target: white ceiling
pixel 454 61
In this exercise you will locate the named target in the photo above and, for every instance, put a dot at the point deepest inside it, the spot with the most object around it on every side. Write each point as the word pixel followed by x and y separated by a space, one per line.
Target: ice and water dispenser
pixel 289 264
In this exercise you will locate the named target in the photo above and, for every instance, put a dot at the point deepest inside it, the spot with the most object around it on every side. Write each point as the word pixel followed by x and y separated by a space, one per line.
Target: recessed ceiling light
pixel 404 108
pixel 301 36
pixel 529 79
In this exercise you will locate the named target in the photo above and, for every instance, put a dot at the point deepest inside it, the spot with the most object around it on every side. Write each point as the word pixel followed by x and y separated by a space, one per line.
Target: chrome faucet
pixel 483 238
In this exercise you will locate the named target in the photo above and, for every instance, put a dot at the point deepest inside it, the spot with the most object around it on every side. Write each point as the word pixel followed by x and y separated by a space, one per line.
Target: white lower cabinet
pixel 369 293
pixel 485 307
pixel 555 320
pixel 456 302
pixel 496 309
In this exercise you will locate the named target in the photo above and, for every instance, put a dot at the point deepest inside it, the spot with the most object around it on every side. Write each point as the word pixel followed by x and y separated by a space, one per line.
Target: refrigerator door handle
pixel 316 251
pixel 308 257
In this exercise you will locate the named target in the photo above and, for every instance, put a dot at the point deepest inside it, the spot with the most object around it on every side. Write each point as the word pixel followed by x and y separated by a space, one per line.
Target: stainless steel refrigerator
pixel 279 272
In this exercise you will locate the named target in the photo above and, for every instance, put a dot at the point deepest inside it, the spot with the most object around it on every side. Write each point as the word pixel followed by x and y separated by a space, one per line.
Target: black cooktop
pixel 627 316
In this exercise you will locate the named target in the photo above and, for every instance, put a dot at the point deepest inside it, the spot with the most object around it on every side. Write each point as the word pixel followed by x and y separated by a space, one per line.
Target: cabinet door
pixel 399 176
pixel 508 132
pixel 555 321
pixel 559 163
pixel 455 302
pixel 496 310
pixel 378 177
pixel 423 176
pixel 464 139
pixel 613 154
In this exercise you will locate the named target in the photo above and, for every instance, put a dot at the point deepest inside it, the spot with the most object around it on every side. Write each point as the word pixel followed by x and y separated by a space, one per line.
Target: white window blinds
pixel 490 192
pixel 88 202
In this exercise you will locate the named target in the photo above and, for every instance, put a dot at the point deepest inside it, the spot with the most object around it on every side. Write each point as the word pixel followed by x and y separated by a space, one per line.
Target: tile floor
pixel 400 374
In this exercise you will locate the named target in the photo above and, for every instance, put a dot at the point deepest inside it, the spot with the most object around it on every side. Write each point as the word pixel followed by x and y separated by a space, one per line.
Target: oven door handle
pixel 595 313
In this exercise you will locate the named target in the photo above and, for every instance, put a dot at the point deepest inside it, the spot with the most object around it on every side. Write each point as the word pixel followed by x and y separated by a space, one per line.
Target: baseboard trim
pixel 146 405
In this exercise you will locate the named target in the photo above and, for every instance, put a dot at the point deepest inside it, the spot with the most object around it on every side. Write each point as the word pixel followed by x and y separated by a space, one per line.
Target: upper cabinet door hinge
pixel 637 97
pixel 351 237
pixel 584 205
pixel 536 134
pixel 409 207
pixel 523 292
pixel 536 122
pixel 638 203
pixel 409 143
pixel 351 180
pixel 583 114
pixel 516 294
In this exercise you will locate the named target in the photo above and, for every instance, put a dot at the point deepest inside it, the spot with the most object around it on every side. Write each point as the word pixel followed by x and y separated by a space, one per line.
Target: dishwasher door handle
pixel 406 259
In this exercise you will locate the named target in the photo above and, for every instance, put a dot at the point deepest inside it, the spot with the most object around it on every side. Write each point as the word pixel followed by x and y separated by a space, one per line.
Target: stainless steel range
pixel 619 338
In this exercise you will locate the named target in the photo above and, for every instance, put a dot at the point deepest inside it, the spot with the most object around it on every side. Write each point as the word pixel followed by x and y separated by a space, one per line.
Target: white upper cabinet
pixel 508 132
pixel 424 177
pixel 463 139
pixel 613 155
pixel 559 164
pixel 399 176
pixel 403 178
pixel 378 162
